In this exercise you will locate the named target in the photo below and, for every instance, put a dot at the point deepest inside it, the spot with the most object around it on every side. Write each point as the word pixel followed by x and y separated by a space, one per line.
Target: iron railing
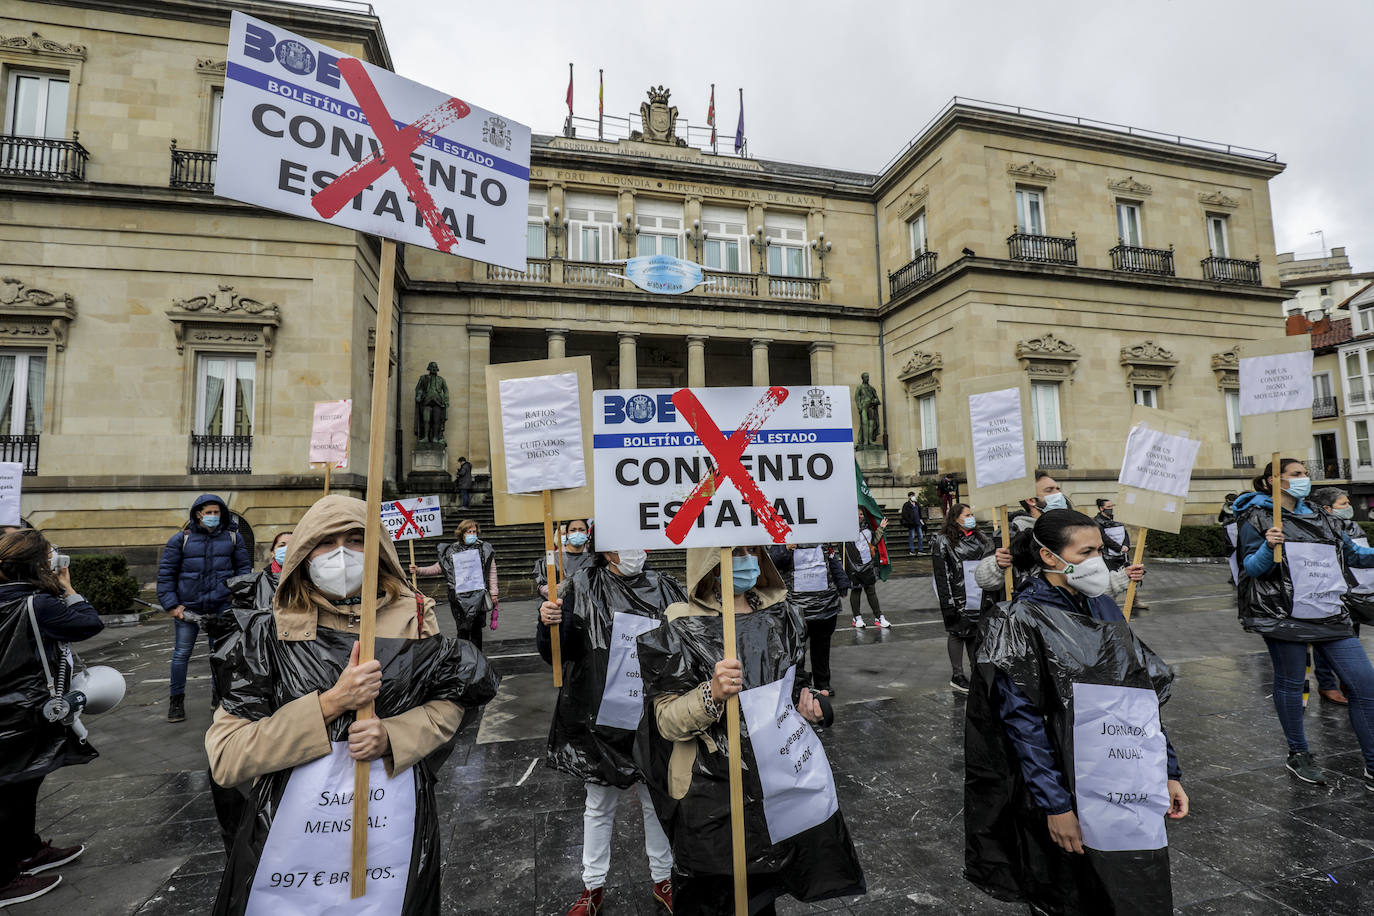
pixel 914 272
pixel 43 157
pixel 1335 469
pixel 1043 249
pixel 1239 460
pixel 1232 270
pixel 930 460
pixel 221 455
pixel 1052 455
pixel 1135 260
pixel 1324 408
pixel 193 170
pixel 804 288
pixel 21 449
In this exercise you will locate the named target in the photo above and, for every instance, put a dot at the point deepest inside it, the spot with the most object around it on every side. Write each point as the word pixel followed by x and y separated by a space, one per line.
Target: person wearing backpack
pixel 192 586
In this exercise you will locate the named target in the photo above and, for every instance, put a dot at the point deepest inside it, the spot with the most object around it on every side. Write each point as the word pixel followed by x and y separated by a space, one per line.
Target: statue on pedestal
pixel 431 406
pixel 866 400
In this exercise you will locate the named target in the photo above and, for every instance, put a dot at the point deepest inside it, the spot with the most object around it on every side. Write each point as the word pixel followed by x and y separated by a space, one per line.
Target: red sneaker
pixel 49 856
pixel 663 893
pixel 27 887
pixel 589 904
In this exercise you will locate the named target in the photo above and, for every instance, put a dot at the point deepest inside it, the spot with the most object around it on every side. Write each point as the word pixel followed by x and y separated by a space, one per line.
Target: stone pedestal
pixel 429 467
pixel 872 460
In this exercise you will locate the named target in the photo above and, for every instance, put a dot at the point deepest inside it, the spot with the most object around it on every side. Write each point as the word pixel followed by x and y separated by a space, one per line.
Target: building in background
pixel 159 341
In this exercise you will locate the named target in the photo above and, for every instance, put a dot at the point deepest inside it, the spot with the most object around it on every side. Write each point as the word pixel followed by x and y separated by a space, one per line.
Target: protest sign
pixel 1276 402
pixel 417 517
pixel 11 486
pixel 661 273
pixel 622 700
pixel 316 133
pixel 1000 446
pixel 541 425
pixel 716 467
pixel 329 433
pixel 1120 767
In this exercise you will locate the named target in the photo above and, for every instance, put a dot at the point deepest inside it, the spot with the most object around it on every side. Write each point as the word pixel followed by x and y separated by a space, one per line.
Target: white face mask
pixel 631 561
pixel 1090 578
pixel 339 573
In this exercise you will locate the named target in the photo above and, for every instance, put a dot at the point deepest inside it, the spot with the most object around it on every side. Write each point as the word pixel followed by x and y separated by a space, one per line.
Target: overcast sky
pixel 848 83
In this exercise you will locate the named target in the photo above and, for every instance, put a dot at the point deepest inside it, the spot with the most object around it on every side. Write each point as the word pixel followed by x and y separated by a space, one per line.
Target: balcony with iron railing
pixel 1334 469
pixel 47 158
pixel 221 455
pixel 609 275
pixel 1324 408
pixel 930 461
pixel 1231 270
pixel 1136 260
pixel 915 272
pixel 1043 249
pixel 1239 459
pixel 21 450
pixel 1052 455
pixel 192 170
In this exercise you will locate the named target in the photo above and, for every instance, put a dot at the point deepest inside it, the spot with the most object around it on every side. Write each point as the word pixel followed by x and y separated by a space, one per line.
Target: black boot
pixel 176 708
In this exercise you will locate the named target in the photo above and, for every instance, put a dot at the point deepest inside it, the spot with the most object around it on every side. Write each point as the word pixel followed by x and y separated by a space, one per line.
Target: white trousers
pixel 598 825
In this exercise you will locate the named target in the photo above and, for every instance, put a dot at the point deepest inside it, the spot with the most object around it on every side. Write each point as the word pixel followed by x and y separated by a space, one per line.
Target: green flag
pixel 874 514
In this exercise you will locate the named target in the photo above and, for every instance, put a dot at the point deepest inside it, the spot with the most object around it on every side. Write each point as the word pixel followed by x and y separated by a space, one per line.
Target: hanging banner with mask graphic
pixel 622 702
pixel 467 571
pixel 798 787
pixel 1157 462
pixel 1120 763
pixel 808 570
pixel 304 863
pixel 1318 582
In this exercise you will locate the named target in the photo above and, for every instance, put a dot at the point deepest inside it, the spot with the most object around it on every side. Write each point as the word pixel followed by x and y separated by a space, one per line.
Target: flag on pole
pixel 567 125
pixel 600 103
pixel 873 513
pixel 711 117
pixel 739 129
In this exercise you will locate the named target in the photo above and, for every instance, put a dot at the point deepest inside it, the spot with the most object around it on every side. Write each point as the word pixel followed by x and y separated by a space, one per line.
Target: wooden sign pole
pixel 1276 488
pixel 727 618
pixel 327 466
pixel 372 547
pixel 1006 542
pixel 1139 556
pixel 414 577
pixel 551 572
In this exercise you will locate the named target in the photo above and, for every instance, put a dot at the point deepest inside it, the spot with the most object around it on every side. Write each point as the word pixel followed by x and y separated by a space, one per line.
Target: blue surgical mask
pixel 210 521
pixel 1056 501
pixel 745 571
pixel 280 555
pixel 1345 514
pixel 969 523
pixel 1299 487
pixel 577 539
pixel 469 539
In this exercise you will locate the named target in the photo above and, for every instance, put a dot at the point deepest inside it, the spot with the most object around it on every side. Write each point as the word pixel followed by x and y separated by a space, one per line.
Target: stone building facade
pixel 172 342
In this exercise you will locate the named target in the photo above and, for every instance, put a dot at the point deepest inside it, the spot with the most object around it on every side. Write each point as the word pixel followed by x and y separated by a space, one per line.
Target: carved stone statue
pixel 866 400
pixel 431 406
pixel 658 118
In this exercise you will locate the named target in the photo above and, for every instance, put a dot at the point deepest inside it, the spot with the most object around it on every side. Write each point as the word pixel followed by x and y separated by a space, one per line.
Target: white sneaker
pixel 858 623
pixel 881 622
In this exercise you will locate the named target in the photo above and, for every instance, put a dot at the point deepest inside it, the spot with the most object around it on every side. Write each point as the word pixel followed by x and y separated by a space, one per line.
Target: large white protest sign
pixel 304 867
pixel 311 131
pixel 672 467
pixel 798 787
pixel 1269 384
pixel 999 453
pixel 1318 582
pixel 1120 763
pixel 408 519
pixel 1155 460
pixel 11 486
pixel 329 432
pixel 622 700
pixel 541 424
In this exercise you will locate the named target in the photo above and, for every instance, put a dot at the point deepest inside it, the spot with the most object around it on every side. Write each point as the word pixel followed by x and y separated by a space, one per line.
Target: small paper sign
pixel 1155 460
pixel 541 422
pixel 408 519
pixel 329 433
pixel 11 485
pixel 999 453
pixel 1269 384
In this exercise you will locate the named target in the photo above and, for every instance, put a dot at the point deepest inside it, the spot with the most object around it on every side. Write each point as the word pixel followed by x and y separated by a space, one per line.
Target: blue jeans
pixel 1326 678
pixel 1348 660
pixel 915 539
pixel 185 644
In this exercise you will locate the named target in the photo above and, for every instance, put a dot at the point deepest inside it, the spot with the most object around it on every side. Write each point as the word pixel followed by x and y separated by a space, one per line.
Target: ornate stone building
pixel 159 341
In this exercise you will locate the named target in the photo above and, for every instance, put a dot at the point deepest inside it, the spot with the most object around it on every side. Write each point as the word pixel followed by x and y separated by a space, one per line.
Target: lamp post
pixel 554 230
pixel 697 237
pixel 822 248
pixel 628 231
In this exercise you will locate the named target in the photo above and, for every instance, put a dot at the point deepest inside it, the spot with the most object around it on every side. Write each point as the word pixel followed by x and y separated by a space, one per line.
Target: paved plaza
pixel 1256 842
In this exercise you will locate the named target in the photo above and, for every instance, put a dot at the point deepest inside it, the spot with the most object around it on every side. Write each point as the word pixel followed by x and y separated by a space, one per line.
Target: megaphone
pixel 102 686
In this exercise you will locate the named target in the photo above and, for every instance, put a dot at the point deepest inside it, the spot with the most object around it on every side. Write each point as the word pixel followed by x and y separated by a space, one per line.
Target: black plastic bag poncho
pixel 817 864
pixel 264 673
pixel 1008 852
pixel 947 569
pixel 819 605
pixel 30 746
pixel 569 564
pixel 469 608
pixel 1266 604
pixel 578 746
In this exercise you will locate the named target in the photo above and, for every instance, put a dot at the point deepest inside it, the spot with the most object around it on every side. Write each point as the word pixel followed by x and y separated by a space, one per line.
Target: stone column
pixel 760 353
pixel 479 355
pixel 558 343
pixel 823 363
pixel 629 370
pixel 696 361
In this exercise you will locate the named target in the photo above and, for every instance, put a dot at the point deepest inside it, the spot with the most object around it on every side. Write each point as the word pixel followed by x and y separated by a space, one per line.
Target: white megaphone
pixel 102 686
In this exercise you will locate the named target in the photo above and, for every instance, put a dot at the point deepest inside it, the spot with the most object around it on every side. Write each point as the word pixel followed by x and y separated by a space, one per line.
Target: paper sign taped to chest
pixel 622 701
pixel 973 594
pixel 1318 581
pixel 1120 762
pixel 809 573
pixel 467 571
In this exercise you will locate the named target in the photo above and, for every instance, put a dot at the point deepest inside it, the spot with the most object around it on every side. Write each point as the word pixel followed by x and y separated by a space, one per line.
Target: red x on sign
pixel 394 153
pixel 725 453
pixel 407 520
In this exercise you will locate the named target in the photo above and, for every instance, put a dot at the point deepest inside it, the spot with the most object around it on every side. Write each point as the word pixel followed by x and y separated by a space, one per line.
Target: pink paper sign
pixel 329 433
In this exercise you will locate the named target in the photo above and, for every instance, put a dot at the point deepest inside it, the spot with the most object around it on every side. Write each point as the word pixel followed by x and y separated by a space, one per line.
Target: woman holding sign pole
pixel 604 609
pixel 1068 773
pixel 469 568
pixel 957 551
pixel 1303 599
pixel 576 553
pixel 796 841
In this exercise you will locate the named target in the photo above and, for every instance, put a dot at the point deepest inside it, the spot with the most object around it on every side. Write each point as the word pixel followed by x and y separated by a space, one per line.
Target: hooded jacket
pixel 198 562
pixel 682 750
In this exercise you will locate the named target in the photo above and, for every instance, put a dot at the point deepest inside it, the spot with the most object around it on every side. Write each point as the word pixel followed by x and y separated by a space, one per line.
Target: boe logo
pixel 261 45
pixel 639 408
